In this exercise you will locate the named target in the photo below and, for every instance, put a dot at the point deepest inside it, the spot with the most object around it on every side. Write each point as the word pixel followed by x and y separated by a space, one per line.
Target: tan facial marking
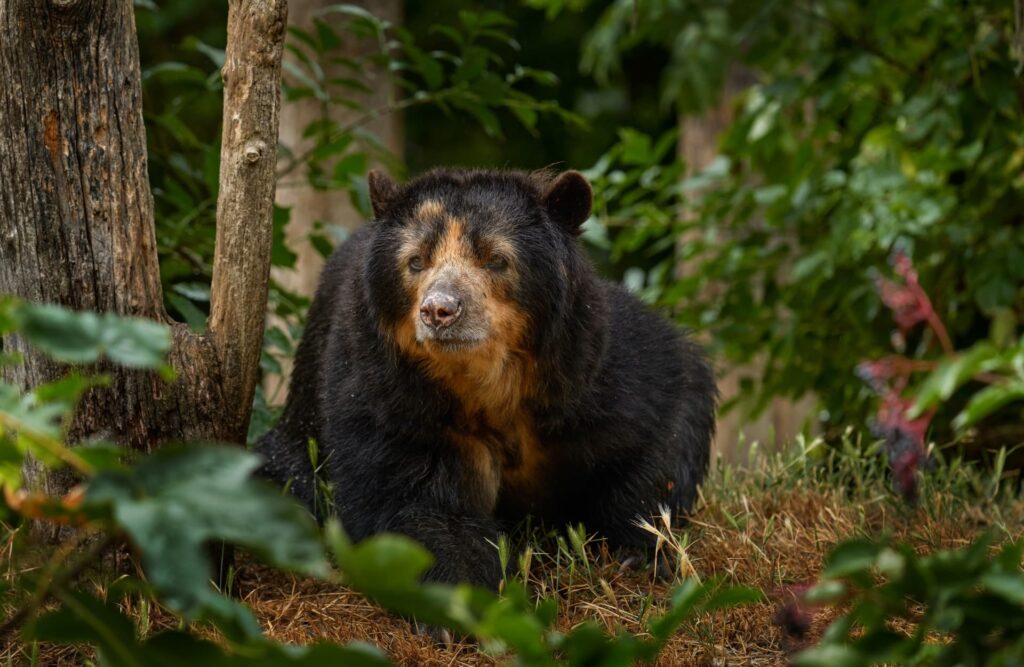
pixel 502 246
pixel 453 250
pixel 492 380
pixel 429 208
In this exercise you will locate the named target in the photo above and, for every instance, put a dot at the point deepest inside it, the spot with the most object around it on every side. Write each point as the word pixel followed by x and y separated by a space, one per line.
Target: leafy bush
pixel 960 607
pixel 472 77
pixel 866 127
pixel 988 377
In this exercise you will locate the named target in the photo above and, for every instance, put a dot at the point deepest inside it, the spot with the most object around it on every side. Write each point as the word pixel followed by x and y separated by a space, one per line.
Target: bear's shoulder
pixel 644 347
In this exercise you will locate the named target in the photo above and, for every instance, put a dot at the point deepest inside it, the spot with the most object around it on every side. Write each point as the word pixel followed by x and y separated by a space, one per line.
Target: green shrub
pixel 868 127
pixel 962 607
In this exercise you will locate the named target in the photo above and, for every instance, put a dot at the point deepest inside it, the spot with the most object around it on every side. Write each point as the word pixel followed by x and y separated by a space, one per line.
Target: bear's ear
pixel 383 191
pixel 568 200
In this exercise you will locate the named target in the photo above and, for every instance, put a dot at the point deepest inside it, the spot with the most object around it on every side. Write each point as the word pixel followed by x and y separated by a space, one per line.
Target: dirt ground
pixel 768 529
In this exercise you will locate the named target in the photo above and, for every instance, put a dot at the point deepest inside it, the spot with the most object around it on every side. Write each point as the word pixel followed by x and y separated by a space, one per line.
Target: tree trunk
pixel 783 419
pixel 308 204
pixel 77 227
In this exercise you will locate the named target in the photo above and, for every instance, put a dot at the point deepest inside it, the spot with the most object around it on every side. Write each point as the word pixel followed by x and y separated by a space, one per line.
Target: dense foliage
pixel 962 607
pixel 471 77
pixel 859 129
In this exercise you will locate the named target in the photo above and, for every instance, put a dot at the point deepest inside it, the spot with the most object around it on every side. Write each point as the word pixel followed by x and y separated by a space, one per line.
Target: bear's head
pixel 468 269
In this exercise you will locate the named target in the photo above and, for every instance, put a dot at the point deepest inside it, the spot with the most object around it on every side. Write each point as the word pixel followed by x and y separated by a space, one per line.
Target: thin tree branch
pixel 241 268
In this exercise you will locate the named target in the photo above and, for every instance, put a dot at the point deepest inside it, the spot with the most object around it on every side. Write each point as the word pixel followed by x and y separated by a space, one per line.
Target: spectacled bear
pixel 463 366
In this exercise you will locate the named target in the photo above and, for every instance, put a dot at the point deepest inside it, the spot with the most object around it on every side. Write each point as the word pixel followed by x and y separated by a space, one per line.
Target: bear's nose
pixel 440 310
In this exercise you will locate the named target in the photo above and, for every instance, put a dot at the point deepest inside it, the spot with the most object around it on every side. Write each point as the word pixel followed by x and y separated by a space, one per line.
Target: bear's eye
pixel 416 264
pixel 497 263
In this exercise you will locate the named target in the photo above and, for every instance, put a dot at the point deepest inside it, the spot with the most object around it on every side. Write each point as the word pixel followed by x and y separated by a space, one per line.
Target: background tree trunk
pixel 77 227
pixel 309 205
pixel 783 419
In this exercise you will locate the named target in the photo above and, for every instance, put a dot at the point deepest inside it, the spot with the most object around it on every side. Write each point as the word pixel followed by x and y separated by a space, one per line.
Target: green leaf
pixel 636 147
pixel 684 599
pixel 11 359
pixel 951 374
pixel 102 455
pixel 63 334
pixel 333 147
pixel 11 461
pixel 830 655
pixel 85 337
pixel 83 618
pixel 351 165
pixel 811 265
pixel 382 561
pixel 987 401
pixel 732 596
pixel 488 121
pixel 305 81
pixel 281 255
pixel 195 318
pixel 30 417
pixel 828 590
pixel 387 568
pixel 177 500
pixel 1008 585
pixel 8 313
pixel 427 67
pixel 70 388
pixel 851 557
pixel 135 342
pixel 327 35
pixel 1003 328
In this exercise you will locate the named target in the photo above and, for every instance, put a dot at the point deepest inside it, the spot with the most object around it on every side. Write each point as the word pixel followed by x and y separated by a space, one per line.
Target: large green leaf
pixel 830 655
pixel 86 337
pixel 11 461
pixel 83 619
pixel 179 499
pixel 987 401
pixel 388 568
pixel 951 374
pixel 852 557
pixel 1008 585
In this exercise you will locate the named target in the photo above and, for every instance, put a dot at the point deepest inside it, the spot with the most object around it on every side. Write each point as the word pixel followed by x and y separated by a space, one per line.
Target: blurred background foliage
pixel 755 163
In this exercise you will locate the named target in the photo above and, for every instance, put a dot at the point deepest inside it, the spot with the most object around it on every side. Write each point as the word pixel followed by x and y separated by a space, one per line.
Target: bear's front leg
pixel 463 546
pixel 423 489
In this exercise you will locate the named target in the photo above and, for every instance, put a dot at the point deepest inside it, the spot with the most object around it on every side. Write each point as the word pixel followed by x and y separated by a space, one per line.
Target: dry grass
pixel 769 529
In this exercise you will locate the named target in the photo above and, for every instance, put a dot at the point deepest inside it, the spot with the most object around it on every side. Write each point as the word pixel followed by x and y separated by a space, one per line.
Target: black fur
pixel 625 408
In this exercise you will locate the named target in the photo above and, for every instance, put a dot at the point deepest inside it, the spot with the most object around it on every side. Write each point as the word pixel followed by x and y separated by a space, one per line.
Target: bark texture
pixel 77 223
pixel 245 204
